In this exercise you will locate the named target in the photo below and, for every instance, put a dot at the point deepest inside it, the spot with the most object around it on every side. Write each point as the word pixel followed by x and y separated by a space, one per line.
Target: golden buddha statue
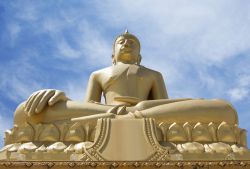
pixel 138 120
pixel 130 89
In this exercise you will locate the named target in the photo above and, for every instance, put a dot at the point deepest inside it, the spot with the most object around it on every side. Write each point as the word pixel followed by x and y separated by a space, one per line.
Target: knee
pixel 20 115
pixel 229 107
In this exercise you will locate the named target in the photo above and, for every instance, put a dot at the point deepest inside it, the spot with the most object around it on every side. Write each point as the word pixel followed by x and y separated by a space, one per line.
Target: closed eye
pixel 121 41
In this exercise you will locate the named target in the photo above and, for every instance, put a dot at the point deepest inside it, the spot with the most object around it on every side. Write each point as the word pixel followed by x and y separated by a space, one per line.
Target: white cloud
pixel 182 39
pixel 26 10
pixel 13 32
pixel 93 44
pixel 5 122
pixel 244 80
pixel 65 50
pixel 206 32
pixel 238 94
pixel 51 25
pixel 244 122
pixel 75 90
pixel 85 44
pixel 241 89
pixel 18 78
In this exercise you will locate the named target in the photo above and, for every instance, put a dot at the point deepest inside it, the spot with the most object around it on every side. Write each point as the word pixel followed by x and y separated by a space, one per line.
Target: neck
pixel 126 58
pixel 125 62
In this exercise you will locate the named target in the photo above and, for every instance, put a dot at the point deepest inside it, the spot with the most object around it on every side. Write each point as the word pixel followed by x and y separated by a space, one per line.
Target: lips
pixel 126 49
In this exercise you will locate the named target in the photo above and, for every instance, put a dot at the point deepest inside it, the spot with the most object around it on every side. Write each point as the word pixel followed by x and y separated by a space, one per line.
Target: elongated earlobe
pixel 113 60
pixel 138 60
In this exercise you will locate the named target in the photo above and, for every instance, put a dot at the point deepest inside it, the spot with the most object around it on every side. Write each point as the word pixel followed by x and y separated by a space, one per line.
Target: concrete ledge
pixel 125 165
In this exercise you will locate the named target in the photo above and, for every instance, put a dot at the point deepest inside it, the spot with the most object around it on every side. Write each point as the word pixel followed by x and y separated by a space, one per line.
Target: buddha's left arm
pixel 94 90
pixel 158 90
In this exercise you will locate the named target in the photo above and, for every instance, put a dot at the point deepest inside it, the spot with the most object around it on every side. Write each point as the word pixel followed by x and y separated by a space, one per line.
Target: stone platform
pixel 126 140
pixel 125 165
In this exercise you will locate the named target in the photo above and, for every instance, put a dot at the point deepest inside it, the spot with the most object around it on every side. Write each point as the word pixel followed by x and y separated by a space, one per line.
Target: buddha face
pixel 126 49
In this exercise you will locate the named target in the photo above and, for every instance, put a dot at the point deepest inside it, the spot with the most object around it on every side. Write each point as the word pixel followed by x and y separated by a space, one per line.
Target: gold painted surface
pixel 50 126
pixel 130 90
pixel 126 140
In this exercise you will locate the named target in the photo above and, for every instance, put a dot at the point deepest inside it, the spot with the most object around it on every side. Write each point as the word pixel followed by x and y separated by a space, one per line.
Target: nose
pixel 126 44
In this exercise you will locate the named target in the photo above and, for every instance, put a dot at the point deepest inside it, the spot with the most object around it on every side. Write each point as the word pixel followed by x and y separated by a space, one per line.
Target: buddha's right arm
pixel 63 110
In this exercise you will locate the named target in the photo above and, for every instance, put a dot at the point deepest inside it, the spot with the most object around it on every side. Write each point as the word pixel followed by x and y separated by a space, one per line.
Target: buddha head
pixel 126 49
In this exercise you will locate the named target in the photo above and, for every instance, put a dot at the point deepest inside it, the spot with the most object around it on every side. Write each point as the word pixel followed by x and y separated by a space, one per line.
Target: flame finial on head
pixel 126 31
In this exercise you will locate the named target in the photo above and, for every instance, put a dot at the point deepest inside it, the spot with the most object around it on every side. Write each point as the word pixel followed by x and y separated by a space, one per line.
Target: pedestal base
pixel 133 140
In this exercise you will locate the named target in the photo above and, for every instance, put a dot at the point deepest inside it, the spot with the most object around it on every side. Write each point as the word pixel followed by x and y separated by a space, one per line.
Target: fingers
pixel 119 110
pixel 138 114
pixel 59 95
pixel 35 102
pixel 29 102
pixel 38 100
pixel 44 100
pixel 113 110
pixel 122 110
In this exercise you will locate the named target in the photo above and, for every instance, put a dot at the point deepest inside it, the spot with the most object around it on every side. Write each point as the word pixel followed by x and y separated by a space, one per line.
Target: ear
pixel 138 60
pixel 113 60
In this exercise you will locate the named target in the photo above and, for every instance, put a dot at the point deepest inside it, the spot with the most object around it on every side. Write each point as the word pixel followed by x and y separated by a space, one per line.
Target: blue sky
pixel 202 48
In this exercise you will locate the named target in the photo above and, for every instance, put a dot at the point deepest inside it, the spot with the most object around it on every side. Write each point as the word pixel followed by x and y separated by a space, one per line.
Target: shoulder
pixel 100 73
pixel 151 71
